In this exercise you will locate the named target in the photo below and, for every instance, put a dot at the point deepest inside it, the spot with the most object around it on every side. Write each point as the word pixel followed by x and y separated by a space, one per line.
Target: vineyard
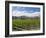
pixel 25 24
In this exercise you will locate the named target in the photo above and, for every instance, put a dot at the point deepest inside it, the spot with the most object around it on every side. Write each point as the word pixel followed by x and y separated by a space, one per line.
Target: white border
pixel 25 32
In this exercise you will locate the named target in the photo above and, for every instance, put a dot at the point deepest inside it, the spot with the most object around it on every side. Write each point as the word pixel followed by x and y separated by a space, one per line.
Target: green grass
pixel 26 23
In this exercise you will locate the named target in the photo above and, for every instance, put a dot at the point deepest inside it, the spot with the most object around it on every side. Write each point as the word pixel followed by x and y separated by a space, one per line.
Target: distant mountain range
pixel 25 15
pixel 22 17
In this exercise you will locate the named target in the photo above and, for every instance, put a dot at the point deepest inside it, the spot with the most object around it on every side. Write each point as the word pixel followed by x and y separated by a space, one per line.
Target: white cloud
pixel 21 13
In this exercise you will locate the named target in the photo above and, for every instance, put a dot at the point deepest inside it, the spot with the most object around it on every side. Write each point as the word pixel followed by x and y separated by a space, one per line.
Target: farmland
pixel 25 24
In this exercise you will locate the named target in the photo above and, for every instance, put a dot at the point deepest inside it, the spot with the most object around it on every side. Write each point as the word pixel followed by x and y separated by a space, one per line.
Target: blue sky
pixel 26 11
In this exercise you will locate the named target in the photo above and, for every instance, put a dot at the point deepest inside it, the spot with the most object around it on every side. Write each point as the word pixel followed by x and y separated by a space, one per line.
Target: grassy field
pixel 27 24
